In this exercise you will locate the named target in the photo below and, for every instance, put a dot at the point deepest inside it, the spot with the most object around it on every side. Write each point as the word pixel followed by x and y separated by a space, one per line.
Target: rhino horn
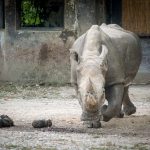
pixel 91 102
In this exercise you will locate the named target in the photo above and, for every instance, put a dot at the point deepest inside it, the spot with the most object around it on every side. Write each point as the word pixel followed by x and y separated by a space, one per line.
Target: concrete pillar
pixel 10 17
pixel 86 14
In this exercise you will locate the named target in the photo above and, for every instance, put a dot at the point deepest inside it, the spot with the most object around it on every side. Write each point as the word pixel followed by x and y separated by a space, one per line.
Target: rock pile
pixel 6 121
pixel 42 123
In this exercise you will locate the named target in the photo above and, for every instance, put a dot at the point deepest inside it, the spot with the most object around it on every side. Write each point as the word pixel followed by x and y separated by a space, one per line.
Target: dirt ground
pixel 27 103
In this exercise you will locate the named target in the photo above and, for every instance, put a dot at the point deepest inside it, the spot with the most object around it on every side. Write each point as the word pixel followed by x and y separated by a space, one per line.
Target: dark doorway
pixel 114 11
pixel 2 21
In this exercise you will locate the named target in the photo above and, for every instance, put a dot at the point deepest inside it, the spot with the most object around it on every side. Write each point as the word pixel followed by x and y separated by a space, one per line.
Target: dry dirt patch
pixel 24 104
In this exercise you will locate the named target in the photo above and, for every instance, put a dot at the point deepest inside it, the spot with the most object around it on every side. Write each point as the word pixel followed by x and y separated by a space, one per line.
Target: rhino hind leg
pixel 128 106
pixel 114 95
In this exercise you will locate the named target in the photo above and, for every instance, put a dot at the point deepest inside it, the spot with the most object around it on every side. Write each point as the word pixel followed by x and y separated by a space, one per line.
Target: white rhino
pixel 104 61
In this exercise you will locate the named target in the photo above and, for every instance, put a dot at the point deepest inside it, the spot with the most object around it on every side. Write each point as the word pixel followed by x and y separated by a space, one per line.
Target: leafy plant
pixel 42 13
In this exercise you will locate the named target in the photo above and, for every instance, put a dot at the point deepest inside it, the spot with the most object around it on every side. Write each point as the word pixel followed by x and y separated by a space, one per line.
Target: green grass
pixel 11 146
pixel 17 147
pixel 139 146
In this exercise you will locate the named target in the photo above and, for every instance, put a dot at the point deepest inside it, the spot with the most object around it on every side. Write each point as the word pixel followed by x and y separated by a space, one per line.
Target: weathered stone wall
pixel 36 56
pixel 88 13
pixel 143 75
pixel 43 56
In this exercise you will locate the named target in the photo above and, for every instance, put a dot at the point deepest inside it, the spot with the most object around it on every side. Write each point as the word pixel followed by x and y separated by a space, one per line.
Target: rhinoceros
pixel 104 61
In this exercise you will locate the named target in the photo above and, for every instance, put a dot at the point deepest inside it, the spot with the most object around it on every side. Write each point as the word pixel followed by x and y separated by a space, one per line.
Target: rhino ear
pixel 74 55
pixel 103 59
pixel 103 55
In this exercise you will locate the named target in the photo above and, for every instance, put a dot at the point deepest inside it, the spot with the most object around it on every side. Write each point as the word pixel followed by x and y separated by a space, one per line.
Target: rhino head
pixel 91 84
pixel 88 70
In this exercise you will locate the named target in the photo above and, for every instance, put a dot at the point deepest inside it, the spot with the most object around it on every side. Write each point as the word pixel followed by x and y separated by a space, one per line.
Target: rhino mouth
pixel 94 116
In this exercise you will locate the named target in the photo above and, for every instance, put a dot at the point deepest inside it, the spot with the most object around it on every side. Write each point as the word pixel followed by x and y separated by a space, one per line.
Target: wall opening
pixel 114 11
pixel 41 13
pixel 2 15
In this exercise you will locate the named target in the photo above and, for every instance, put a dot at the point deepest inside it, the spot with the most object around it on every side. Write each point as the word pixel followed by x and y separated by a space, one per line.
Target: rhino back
pixel 128 47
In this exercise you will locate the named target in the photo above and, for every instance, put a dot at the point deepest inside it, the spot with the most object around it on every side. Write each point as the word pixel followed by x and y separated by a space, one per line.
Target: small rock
pixel 6 121
pixel 42 123
pixel 1 122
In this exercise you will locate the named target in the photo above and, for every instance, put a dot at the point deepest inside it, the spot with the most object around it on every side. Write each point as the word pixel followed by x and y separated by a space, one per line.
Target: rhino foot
pixel 120 115
pixel 108 115
pixel 104 117
pixel 129 109
pixel 92 124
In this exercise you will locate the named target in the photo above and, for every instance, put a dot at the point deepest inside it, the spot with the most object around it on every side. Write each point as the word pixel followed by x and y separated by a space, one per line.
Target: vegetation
pixel 31 14
pixel 42 13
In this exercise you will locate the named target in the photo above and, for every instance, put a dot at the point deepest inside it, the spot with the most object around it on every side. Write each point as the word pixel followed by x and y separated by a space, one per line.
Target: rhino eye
pixel 76 58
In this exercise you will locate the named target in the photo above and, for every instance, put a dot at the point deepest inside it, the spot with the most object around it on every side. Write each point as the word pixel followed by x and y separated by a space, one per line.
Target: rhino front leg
pixel 128 106
pixel 114 95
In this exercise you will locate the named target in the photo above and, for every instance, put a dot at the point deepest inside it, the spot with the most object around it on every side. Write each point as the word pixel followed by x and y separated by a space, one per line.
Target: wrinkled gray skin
pixel 104 61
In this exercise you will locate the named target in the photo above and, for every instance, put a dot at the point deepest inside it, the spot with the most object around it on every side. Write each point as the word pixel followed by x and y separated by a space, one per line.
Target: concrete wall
pixel 43 56
pixel 143 75
pixel 89 13
pixel 36 56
